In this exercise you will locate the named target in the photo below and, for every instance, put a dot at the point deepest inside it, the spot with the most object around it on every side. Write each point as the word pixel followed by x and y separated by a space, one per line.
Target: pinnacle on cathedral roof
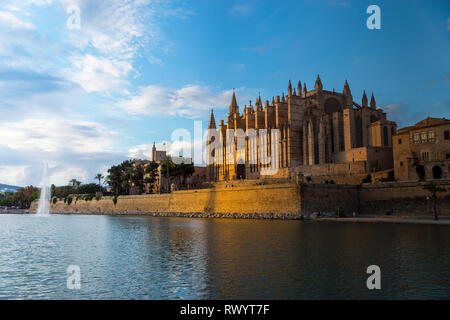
pixel 373 104
pixel 299 87
pixel 364 99
pixel 346 90
pixel 212 121
pixel 233 105
pixel 304 89
pixel 233 100
pixel 318 84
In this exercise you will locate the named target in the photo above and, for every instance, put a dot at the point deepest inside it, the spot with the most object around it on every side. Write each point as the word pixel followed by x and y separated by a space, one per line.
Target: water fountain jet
pixel 43 209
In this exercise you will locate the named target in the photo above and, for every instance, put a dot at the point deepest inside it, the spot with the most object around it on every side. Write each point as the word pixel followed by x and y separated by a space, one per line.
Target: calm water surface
pixel 176 258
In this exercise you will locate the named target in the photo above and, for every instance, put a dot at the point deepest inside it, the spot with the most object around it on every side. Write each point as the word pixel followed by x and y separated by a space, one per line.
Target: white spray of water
pixel 44 201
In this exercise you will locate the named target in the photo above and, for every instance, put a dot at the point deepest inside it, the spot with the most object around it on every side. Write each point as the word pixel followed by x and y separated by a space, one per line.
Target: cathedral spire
pixel 364 100
pixel 299 88
pixel 212 121
pixel 347 95
pixel 282 97
pixel 373 104
pixel 318 84
pixel 346 90
pixel 234 108
pixel 290 89
pixel 295 93
pixel 304 89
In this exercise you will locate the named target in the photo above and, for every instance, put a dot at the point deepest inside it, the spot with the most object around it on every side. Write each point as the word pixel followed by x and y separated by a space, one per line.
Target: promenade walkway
pixel 444 221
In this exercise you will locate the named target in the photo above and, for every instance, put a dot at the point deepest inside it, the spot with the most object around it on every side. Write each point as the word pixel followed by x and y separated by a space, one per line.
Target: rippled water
pixel 176 258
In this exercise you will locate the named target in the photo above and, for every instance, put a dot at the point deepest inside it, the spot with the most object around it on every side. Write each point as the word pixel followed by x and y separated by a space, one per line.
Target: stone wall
pixel 388 198
pixel 273 199
pixel 328 199
pixel 402 198
pixel 223 198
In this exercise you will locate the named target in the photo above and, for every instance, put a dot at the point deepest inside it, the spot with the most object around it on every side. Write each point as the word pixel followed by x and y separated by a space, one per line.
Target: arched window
pixel 332 105
pixel 437 172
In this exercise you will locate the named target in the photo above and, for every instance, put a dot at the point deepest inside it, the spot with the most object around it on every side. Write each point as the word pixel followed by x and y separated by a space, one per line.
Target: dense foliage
pixel 136 173
pixel 65 191
pixel 20 199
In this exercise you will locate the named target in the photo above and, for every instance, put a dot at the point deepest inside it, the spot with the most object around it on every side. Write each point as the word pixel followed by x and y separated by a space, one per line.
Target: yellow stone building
pixel 423 147
pixel 315 132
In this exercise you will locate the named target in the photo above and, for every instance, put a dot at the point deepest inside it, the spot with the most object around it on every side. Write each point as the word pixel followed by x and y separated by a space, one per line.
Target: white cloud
pixel 190 101
pixel 336 3
pixel 174 148
pixel 73 148
pixel 46 73
pixel 95 74
pixel 13 175
pixel 241 10
pixel 142 151
pixel 55 135
pixel 9 20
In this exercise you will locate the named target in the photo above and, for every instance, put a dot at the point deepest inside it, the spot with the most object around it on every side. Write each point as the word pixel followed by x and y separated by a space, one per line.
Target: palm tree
pixel 433 188
pixel 99 177
pixel 74 183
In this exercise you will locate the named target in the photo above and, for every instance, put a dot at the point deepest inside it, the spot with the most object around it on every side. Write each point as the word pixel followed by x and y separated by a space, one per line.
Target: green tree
pixel 6 201
pixel 99 177
pixel 152 170
pixel 137 177
pixel 90 188
pixel 185 170
pixel 433 188
pixel 168 170
pixel 74 183
pixel 120 177
pixel 114 179
pixel 24 196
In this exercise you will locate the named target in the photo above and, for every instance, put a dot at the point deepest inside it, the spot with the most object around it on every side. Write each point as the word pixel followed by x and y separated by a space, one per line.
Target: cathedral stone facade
pixel 312 133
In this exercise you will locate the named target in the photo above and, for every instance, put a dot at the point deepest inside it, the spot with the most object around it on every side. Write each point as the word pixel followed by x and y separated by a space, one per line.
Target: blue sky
pixel 84 99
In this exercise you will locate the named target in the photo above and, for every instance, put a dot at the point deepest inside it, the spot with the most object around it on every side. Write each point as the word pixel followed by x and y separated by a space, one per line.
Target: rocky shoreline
pixel 330 217
pixel 16 211
pixel 258 216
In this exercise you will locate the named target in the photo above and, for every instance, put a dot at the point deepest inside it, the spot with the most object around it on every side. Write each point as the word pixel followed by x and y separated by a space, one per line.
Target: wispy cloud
pixel 238 67
pixel 53 81
pixel 173 148
pixel 99 74
pixel 241 10
pixel 404 116
pixel 260 49
pixel 8 19
pixel 190 101
pixel 72 148
pixel 339 3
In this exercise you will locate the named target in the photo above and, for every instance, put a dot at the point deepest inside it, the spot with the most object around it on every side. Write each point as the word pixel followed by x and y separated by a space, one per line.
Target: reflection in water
pixel 175 258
